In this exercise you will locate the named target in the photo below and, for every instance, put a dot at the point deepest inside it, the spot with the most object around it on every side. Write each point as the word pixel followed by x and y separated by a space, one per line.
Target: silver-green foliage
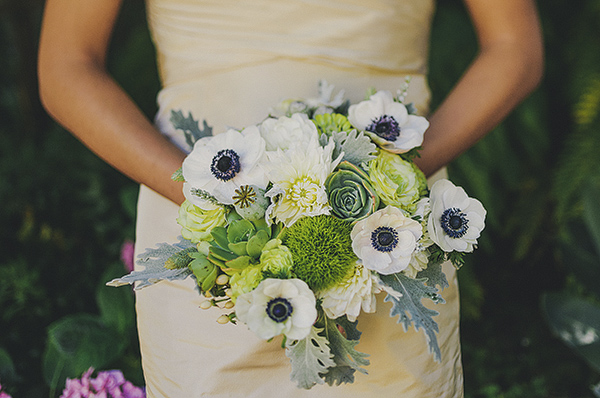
pixel 309 357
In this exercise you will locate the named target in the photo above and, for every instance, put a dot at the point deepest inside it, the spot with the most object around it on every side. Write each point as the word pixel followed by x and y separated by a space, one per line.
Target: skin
pixel 77 91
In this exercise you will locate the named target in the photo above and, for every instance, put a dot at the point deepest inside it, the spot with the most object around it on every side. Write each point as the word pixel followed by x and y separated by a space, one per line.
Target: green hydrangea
pixel 276 260
pixel 196 223
pixel 321 250
pixel 396 181
pixel 245 281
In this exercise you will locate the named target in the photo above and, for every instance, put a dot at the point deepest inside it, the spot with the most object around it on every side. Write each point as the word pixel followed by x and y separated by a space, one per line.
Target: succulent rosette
pixel 456 220
pixel 350 194
pixel 385 241
pixel 388 122
pixel 278 306
pixel 218 165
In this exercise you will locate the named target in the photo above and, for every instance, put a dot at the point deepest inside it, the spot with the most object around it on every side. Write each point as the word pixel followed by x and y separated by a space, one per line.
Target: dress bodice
pixel 229 61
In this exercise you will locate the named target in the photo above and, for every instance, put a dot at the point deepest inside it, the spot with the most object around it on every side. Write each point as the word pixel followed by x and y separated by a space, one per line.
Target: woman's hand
pixel 78 92
pixel 509 66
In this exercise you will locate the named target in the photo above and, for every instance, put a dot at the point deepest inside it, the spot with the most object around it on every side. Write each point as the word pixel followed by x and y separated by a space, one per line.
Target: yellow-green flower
pixel 245 281
pixel 396 181
pixel 276 259
pixel 197 222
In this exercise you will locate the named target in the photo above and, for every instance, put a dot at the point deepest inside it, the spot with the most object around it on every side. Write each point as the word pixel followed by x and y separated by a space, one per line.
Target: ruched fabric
pixel 228 62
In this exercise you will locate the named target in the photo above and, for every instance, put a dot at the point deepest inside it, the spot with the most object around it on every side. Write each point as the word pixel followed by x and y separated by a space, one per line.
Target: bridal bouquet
pixel 293 225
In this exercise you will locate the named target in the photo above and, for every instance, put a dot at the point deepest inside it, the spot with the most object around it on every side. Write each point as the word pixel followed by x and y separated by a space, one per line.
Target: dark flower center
pixel 386 127
pixel 225 165
pixel 384 239
pixel 279 309
pixel 454 223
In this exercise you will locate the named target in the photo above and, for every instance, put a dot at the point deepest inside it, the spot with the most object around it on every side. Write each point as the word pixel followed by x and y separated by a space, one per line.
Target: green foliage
pixel 406 295
pixel 309 357
pixel 190 127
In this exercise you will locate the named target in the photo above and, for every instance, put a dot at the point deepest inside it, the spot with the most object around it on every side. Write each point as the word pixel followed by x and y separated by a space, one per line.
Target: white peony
pixel 348 297
pixel 220 164
pixel 285 132
pixel 298 176
pixel 278 306
pixel 388 123
pixel 455 221
pixel 385 241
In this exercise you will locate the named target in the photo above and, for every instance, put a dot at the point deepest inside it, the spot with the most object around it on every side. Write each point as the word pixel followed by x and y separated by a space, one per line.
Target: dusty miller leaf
pixel 343 374
pixel 411 310
pixel 309 358
pixel 356 146
pixel 435 276
pixel 190 128
pixel 343 350
pixel 154 260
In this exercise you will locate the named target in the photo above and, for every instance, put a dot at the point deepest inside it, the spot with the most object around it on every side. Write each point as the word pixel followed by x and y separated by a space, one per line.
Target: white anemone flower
pixel 388 123
pixel 455 221
pixel 285 132
pixel 385 241
pixel 347 298
pixel 222 163
pixel 278 306
pixel 298 176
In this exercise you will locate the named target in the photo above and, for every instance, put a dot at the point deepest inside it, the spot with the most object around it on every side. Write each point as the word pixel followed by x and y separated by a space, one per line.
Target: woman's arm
pixel 77 91
pixel 509 66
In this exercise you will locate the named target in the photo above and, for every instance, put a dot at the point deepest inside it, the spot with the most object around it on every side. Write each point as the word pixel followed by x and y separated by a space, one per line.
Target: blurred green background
pixel 530 295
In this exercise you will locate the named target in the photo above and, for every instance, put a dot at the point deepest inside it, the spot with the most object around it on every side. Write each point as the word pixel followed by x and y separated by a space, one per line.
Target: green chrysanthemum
pixel 332 122
pixel 321 250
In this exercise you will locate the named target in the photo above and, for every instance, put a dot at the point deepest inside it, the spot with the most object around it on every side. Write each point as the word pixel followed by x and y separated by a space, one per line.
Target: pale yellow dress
pixel 228 62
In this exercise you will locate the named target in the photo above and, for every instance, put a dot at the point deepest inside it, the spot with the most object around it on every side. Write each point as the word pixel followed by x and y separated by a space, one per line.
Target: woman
pixel 226 62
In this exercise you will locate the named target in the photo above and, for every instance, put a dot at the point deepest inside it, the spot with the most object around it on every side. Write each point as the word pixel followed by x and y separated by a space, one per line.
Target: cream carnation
pixel 298 177
pixel 347 298
pixel 285 132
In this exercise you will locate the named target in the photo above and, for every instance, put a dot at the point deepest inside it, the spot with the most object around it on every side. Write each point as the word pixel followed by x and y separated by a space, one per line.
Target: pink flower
pixel 108 384
pixel 127 250
pixel 5 395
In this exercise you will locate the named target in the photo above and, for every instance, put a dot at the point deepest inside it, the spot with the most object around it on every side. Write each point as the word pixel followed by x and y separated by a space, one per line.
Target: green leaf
pixel 591 212
pixel 190 128
pixel 219 234
pixel 240 230
pixel 410 309
pixel 154 261
pixel 577 323
pixel 343 350
pixel 352 333
pixel 256 243
pixel 116 306
pixel 434 274
pixel 181 259
pixel 221 254
pixel 355 145
pixel 578 249
pixel 239 248
pixel 201 267
pixel 309 357
pixel 238 263
pixel 178 175
pixel 75 343
pixel 7 368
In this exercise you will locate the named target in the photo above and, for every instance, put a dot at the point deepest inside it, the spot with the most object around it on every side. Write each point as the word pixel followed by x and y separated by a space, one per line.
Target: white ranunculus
pixel 385 241
pixel 455 221
pixel 285 132
pixel 388 123
pixel 222 163
pixel 278 306
pixel 348 297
